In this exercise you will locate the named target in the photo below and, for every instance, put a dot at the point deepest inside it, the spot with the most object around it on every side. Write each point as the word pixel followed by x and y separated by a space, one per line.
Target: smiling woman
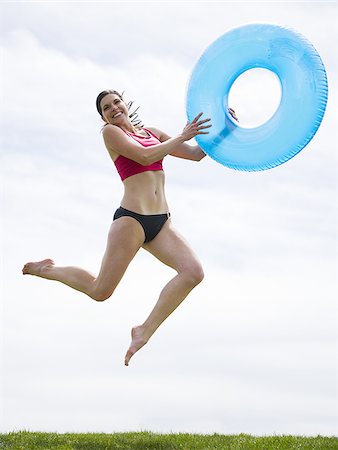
pixel 132 115
pixel 142 220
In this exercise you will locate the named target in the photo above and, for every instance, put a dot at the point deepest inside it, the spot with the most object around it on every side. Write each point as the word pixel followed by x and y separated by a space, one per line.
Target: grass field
pixel 25 440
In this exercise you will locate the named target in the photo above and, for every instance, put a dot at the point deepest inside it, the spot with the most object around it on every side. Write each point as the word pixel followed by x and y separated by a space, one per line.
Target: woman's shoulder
pixel 114 138
pixel 161 135
pixel 110 129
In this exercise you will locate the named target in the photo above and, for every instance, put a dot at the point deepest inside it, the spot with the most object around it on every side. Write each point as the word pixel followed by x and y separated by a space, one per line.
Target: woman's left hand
pixel 195 127
pixel 233 114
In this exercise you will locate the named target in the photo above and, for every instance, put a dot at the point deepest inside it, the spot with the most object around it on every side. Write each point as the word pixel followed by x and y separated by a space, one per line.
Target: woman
pixel 143 220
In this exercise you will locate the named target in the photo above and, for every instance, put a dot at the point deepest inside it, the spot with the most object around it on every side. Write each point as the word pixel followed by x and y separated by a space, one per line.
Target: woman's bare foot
pixel 39 268
pixel 138 340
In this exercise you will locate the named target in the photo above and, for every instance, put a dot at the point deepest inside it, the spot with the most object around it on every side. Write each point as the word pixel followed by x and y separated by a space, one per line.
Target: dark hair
pixel 133 115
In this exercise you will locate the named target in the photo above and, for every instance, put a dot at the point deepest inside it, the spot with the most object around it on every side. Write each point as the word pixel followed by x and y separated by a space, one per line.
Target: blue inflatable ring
pixel 303 101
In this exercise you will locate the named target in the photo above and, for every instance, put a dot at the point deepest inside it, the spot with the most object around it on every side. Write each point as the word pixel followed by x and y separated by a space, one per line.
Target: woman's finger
pixel 203 121
pixel 197 117
pixel 200 127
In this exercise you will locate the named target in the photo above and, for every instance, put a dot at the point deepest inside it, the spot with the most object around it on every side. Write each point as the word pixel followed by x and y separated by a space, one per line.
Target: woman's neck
pixel 129 127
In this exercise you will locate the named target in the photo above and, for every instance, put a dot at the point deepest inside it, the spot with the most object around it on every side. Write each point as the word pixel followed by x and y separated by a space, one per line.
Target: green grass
pixel 24 440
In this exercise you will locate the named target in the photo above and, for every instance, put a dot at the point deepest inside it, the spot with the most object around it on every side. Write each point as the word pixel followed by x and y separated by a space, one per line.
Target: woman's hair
pixel 132 116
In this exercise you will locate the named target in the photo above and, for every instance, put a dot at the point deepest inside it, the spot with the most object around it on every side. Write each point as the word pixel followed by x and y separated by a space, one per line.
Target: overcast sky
pixel 253 348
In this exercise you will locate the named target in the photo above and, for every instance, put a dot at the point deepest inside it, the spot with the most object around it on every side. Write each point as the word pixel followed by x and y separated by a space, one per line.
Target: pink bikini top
pixel 127 167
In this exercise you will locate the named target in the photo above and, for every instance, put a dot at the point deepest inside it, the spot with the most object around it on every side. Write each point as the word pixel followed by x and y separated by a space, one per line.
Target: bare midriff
pixel 144 193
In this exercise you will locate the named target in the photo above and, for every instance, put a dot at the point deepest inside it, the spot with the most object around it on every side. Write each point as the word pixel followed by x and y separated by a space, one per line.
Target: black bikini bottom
pixel 152 224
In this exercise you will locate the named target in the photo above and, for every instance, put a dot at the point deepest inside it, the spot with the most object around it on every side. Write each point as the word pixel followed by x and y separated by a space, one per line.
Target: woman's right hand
pixel 195 127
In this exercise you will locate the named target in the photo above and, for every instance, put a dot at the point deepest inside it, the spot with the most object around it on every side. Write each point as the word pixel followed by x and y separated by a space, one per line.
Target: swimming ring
pixel 304 90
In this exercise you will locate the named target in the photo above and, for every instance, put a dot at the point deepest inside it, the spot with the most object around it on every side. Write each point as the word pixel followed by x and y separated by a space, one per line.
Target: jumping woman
pixel 142 220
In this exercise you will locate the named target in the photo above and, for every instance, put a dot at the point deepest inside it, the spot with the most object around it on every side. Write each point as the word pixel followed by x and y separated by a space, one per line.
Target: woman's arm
pixel 184 150
pixel 181 150
pixel 118 143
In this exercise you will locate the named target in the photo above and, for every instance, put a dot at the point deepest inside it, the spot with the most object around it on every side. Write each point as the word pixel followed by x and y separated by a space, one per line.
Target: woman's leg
pixel 125 238
pixel 170 248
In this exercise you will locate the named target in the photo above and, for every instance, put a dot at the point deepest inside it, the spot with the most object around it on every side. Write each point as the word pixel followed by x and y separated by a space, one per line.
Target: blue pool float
pixel 304 94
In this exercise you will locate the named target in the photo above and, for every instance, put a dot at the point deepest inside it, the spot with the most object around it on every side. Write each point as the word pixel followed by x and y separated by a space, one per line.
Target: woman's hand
pixel 233 114
pixel 195 127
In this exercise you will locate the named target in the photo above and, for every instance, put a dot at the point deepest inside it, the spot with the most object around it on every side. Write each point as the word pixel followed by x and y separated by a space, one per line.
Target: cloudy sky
pixel 253 348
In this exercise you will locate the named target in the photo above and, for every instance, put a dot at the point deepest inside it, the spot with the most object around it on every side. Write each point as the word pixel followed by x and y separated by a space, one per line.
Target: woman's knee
pixel 100 295
pixel 194 273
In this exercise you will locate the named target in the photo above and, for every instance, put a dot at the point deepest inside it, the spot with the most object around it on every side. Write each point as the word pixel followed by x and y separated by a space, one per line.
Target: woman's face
pixel 114 110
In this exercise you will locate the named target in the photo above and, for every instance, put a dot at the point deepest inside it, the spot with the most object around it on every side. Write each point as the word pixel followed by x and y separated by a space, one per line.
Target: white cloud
pixel 115 32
